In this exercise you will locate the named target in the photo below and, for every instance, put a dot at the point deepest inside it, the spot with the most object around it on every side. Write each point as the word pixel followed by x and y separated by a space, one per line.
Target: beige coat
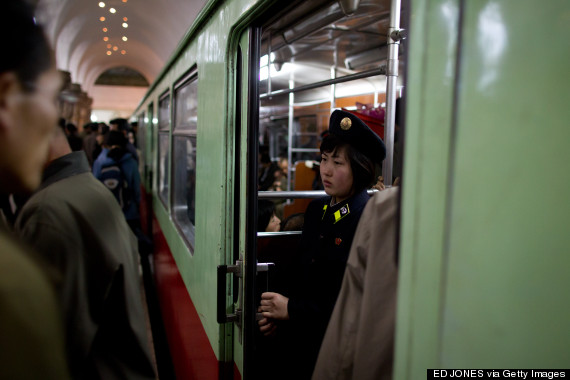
pixel 359 340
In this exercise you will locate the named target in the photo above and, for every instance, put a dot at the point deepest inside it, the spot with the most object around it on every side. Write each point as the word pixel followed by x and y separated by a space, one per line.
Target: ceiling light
pixel 109 46
pixel 105 39
pixel 101 18
pixel 125 25
pixel 124 1
pixel 112 10
pixel 115 48
pixel 125 19
pixel 109 52
pixel 123 52
pixel 102 4
pixel 105 30
pixel 125 38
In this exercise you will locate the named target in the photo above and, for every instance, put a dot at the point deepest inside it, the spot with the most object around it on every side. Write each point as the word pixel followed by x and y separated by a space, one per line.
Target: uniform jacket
pixel 359 340
pixel 31 331
pixel 325 243
pixel 78 227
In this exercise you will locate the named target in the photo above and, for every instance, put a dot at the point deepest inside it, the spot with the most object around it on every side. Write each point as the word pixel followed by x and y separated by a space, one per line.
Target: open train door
pixel 236 278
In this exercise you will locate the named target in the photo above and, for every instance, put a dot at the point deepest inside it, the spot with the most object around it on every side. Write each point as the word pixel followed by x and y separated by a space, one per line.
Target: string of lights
pixel 111 23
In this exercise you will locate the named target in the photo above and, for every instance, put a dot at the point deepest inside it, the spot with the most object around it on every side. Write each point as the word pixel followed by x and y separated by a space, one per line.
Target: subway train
pixel 481 149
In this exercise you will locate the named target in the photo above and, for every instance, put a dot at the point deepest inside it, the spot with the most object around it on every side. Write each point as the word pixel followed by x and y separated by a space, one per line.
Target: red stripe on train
pixel 192 354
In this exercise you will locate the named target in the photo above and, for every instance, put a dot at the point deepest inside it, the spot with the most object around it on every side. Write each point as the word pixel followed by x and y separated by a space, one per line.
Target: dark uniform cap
pixel 349 128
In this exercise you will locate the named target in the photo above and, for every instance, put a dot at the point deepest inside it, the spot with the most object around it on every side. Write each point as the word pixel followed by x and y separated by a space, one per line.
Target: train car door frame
pixel 241 291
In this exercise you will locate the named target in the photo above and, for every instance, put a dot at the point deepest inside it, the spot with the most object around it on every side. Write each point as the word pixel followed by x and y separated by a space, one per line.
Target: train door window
pixel 184 156
pixel 314 59
pixel 163 147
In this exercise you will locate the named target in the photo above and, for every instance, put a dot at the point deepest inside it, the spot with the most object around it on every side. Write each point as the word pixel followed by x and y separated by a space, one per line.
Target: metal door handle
pixel 223 270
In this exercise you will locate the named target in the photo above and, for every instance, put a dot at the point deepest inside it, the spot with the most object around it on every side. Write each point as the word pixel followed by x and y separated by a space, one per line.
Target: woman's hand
pixel 266 326
pixel 380 184
pixel 274 305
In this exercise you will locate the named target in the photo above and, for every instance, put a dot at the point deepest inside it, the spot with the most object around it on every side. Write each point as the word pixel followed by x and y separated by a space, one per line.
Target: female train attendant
pixel 348 155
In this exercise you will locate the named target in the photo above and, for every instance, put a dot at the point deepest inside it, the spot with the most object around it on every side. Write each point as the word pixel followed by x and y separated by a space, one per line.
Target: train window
pixel 314 60
pixel 184 157
pixel 163 147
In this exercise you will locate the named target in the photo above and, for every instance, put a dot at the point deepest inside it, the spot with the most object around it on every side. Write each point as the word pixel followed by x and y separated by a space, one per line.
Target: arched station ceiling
pixel 75 29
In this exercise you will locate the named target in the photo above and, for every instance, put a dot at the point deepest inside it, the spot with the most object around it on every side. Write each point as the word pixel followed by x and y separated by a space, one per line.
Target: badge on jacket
pixel 341 213
pixel 337 241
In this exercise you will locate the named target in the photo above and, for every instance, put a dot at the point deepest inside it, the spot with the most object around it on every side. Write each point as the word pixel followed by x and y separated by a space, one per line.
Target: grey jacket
pixel 78 227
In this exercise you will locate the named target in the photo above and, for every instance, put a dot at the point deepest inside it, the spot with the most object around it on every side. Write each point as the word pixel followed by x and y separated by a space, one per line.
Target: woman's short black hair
pixel 265 210
pixel 363 173
pixel 28 53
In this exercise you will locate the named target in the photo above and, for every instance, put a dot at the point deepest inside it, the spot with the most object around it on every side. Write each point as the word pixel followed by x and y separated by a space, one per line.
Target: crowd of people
pixel 71 297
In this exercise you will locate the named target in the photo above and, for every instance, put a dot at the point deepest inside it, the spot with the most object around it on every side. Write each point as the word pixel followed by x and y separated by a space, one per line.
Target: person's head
pixel 119 124
pixel 94 127
pixel 103 128
pixel 293 222
pixel 267 221
pixel 115 139
pixel 348 155
pixel 70 129
pixel 29 86
pixel 265 160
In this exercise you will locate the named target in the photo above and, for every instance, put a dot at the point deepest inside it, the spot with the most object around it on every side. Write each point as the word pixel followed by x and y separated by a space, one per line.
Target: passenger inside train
pixel 348 153
pixel 32 341
pixel 267 221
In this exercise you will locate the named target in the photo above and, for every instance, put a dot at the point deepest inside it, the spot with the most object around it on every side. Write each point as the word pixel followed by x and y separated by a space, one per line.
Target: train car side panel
pixel 428 131
pixel 484 287
pixel 507 270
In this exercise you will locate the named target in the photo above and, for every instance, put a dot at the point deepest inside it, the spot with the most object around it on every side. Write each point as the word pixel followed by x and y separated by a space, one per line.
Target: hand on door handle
pixel 274 305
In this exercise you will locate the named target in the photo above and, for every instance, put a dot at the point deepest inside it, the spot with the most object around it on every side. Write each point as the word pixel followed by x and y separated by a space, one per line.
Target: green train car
pixel 483 156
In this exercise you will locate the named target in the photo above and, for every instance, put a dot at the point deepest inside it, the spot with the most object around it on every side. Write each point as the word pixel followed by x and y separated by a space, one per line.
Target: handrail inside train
pixel 305 194
pixel 347 78
pixel 279 233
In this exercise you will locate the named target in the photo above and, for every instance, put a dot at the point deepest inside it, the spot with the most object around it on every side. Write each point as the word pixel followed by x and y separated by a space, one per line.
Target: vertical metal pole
pixel 333 89
pixel 290 129
pixel 391 83
pixel 333 76
pixel 269 64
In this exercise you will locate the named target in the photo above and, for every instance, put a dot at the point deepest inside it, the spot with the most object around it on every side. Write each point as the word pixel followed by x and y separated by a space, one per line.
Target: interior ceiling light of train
pixel 324 45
